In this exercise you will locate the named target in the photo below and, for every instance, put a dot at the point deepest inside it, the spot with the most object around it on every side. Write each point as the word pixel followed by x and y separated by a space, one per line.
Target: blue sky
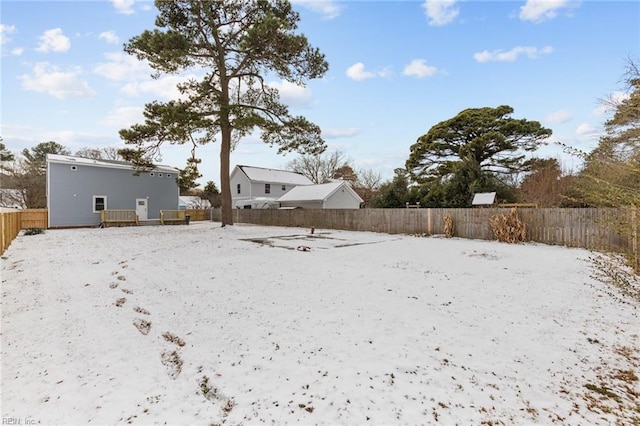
pixel 396 68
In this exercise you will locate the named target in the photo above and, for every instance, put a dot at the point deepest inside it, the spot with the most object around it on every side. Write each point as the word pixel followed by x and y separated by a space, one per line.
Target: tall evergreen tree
pixel 470 152
pixel 237 45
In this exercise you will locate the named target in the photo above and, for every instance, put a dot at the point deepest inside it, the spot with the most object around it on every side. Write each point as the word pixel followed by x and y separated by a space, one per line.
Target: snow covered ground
pixel 246 324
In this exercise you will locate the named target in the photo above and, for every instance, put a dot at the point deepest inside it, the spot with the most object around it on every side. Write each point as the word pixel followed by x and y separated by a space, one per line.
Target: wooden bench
pixel 173 217
pixel 118 218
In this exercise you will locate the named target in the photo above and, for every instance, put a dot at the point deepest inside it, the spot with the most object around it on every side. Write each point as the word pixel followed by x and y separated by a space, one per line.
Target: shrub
pixel 448 226
pixel 33 231
pixel 508 228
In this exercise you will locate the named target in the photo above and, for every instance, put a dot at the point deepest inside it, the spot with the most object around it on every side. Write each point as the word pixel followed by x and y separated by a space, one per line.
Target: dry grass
pixel 448 226
pixel 508 228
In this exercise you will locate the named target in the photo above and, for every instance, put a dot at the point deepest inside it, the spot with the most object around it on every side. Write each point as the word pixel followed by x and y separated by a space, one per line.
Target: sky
pixel 396 69
pixel 358 329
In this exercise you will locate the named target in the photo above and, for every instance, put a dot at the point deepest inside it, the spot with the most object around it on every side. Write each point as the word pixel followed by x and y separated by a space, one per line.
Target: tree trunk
pixel 225 183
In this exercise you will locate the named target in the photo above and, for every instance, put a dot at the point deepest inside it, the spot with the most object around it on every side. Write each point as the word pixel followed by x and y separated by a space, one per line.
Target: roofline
pixel 71 159
pixel 340 184
pixel 345 183
pixel 241 168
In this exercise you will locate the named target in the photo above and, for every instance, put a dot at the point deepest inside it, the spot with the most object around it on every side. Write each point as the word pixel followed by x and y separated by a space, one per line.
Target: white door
pixel 141 208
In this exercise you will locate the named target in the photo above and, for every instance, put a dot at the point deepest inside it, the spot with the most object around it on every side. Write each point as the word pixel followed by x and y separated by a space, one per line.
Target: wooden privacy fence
pixel 198 214
pixel 612 229
pixel 12 222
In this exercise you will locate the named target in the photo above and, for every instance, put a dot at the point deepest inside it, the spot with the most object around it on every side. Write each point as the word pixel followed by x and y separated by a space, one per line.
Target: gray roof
pixel 319 192
pixel 70 159
pixel 259 174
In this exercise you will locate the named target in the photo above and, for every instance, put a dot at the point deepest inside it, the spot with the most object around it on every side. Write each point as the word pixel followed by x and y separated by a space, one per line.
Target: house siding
pixel 309 205
pixel 250 190
pixel 70 192
pixel 342 199
pixel 245 187
pixel 257 190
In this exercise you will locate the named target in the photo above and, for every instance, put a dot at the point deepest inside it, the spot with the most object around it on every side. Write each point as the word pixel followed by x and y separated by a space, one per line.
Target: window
pixel 159 174
pixel 152 174
pixel 267 188
pixel 74 168
pixel 99 203
pixel 284 187
pixel 238 189
pixel 168 175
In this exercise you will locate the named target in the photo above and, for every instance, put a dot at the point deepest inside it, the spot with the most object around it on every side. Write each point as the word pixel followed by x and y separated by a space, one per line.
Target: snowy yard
pixel 245 324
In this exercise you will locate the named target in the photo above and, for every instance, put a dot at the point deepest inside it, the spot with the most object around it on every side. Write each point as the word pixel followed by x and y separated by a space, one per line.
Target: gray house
pixel 78 189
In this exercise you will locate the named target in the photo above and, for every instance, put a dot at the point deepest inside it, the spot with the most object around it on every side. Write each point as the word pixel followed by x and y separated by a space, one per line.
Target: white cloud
pixel 440 12
pixel 53 41
pixel 122 67
pixel 542 10
pixel 109 36
pixel 358 73
pixel 123 6
pixel 329 9
pixel 334 133
pixel 165 88
pixel 5 31
pixel 18 51
pixel 585 129
pixel 46 78
pixel 419 68
pixel 512 55
pixel 124 116
pixel 293 94
pixel 559 117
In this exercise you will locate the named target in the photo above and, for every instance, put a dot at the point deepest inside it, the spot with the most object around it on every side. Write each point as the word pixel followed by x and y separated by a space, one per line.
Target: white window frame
pixel 93 206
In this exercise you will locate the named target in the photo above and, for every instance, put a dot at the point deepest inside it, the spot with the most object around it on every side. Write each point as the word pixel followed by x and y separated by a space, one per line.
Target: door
pixel 141 208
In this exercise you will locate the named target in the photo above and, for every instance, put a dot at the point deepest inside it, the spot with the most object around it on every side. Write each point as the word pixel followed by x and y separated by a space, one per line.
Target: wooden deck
pixel 173 217
pixel 118 218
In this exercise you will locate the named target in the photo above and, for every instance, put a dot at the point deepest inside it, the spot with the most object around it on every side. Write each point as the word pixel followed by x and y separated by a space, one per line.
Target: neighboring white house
pixel 332 195
pixel 187 202
pixel 257 187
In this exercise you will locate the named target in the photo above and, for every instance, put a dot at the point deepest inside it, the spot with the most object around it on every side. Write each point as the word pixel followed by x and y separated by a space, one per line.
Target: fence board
pixel 34 218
